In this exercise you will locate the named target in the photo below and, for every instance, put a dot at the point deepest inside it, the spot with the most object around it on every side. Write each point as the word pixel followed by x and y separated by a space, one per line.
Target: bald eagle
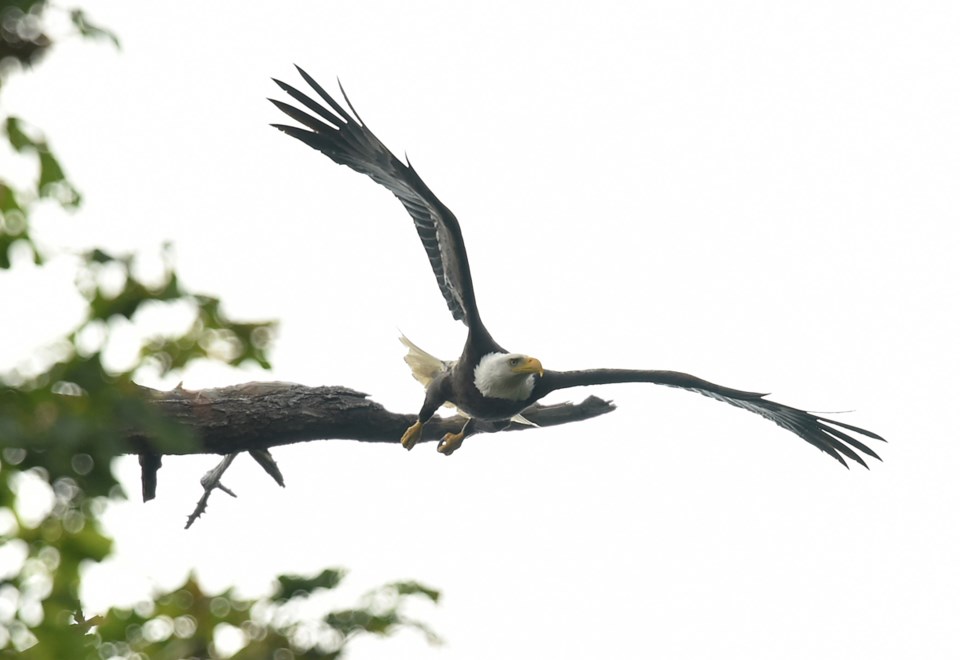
pixel 489 382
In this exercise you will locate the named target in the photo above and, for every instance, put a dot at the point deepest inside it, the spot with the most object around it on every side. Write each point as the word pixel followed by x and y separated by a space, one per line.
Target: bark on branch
pixel 253 417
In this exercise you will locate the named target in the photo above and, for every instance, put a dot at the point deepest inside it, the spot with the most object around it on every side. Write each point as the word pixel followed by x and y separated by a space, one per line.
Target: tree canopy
pixel 64 416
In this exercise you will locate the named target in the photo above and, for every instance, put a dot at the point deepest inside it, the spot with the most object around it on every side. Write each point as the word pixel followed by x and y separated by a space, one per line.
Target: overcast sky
pixel 761 194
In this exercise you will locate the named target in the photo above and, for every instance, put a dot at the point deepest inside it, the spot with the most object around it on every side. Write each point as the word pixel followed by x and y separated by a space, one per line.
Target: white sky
pixel 762 194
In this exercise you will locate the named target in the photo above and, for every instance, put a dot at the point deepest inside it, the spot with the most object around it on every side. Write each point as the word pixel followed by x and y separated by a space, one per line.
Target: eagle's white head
pixel 506 375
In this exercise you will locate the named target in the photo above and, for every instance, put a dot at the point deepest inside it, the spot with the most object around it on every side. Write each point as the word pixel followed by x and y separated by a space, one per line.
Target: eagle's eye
pixel 514 362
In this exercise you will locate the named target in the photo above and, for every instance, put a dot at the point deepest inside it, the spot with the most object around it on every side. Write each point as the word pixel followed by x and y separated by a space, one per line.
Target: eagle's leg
pixel 412 435
pixel 436 395
pixel 451 441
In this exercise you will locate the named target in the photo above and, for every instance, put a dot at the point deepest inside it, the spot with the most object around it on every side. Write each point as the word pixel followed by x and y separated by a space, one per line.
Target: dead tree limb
pixel 258 416
pixel 254 417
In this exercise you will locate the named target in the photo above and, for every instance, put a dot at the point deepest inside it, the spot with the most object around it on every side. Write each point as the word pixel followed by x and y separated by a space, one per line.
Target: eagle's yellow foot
pixel 412 435
pixel 450 443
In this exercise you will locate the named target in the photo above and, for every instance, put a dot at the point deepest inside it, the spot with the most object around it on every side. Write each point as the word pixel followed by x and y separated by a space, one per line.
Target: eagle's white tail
pixel 424 366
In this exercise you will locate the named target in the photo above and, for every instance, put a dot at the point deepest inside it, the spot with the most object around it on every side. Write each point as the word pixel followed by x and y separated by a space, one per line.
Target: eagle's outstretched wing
pixel 827 435
pixel 343 138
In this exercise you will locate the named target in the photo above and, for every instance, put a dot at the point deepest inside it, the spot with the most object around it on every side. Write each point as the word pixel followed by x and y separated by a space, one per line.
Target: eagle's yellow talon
pixel 450 443
pixel 412 435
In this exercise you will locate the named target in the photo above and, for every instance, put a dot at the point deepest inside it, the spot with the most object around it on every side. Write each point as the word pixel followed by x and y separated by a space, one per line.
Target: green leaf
pixel 19 140
pixel 50 170
pixel 98 256
pixel 410 588
pixel 91 31
pixel 88 543
pixel 294 585
pixel 5 243
pixel 8 200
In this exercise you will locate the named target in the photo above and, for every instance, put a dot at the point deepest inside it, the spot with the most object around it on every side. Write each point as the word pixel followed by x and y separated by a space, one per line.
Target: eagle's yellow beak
pixel 529 366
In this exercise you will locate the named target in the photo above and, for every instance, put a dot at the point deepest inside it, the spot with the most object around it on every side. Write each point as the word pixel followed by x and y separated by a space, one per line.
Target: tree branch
pixel 258 416
pixel 254 417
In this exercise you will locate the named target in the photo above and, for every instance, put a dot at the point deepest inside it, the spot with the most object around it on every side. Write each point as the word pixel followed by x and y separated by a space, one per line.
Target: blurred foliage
pixel 24 31
pixel 187 622
pixel 65 415
pixel 22 37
